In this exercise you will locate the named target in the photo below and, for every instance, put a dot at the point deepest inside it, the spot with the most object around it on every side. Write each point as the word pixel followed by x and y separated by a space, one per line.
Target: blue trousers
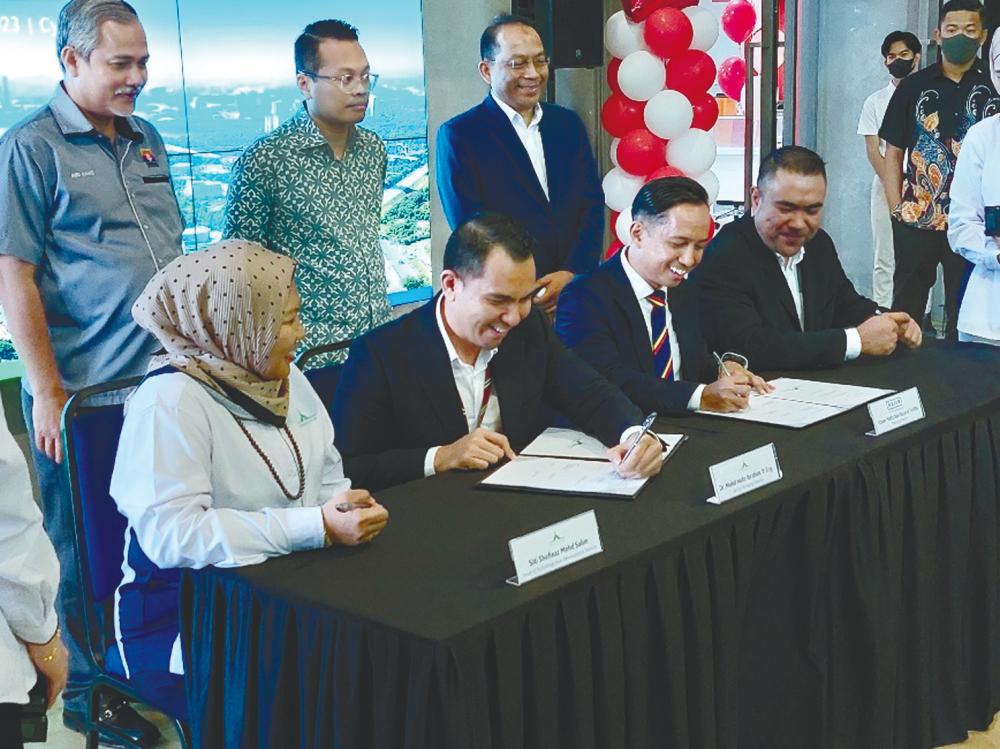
pixel 57 510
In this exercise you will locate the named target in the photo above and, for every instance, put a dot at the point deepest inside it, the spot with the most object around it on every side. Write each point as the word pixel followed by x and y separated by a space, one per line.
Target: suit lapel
pixel 772 271
pixel 812 289
pixel 434 373
pixel 507 378
pixel 624 297
pixel 512 145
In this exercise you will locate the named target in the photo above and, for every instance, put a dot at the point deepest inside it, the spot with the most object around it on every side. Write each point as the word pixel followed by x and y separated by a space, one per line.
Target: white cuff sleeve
pixel 306 529
pixel 695 403
pixel 429 461
pixel 853 344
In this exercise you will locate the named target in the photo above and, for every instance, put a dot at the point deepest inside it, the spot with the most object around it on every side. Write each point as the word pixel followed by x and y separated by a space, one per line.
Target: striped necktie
pixel 663 362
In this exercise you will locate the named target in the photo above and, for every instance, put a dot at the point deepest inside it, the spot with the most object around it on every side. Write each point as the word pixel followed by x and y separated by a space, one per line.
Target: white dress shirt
pixel 29 574
pixel 873 112
pixel 790 270
pixel 195 491
pixel 976 184
pixel 470 380
pixel 531 137
pixel 642 289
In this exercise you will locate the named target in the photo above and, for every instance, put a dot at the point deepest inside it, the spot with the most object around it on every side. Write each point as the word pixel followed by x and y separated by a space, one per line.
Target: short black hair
pixel 471 243
pixel 307 45
pixel 488 41
pixel 910 40
pixel 794 159
pixel 657 197
pixel 954 6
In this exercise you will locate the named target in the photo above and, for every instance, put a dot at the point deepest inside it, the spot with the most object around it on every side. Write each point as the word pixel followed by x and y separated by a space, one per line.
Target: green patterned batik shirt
pixel 289 193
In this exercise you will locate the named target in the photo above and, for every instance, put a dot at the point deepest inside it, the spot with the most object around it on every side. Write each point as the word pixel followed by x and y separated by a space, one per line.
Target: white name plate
pixel 744 473
pixel 554 547
pixel 895 411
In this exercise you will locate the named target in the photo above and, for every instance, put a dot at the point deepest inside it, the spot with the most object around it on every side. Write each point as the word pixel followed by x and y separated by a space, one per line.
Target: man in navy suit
pixel 773 288
pixel 531 161
pixel 635 318
pixel 469 378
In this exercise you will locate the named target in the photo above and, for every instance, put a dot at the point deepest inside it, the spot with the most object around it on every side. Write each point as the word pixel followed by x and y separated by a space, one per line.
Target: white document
pixel 570 443
pixel 801 403
pixel 562 476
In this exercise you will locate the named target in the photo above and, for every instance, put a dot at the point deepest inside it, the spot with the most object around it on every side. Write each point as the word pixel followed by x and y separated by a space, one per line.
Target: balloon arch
pixel 660 112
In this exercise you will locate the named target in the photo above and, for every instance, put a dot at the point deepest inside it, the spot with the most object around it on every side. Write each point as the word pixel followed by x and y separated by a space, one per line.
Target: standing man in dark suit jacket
pixel 772 286
pixel 636 320
pixel 531 161
pixel 465 380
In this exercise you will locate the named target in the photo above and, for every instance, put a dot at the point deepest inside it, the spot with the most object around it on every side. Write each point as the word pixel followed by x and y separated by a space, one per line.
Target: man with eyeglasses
pixel 531 161
pixel 312 189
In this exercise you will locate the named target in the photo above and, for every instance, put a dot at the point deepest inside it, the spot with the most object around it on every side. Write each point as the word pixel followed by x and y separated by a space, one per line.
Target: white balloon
pixel 642 75
pixel 614 150
pixel 620 189
pixel 706 28
pixel 692 152
pixel 710 182
pixel 622 224
pixel 622 37
pixel 668 114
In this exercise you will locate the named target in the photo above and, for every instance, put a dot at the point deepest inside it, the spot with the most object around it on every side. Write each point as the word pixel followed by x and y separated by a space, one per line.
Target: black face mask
pixel 900 67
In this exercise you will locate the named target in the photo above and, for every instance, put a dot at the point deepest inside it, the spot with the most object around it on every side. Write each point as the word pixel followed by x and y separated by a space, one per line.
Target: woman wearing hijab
pixel 974 221
pixel 226 455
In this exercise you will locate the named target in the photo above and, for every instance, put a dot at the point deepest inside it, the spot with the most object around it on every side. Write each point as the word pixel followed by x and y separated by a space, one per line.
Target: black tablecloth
pixel 856 603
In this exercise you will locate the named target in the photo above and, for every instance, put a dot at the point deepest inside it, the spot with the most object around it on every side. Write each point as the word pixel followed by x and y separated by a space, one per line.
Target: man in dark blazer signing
pixel 466 380
pixel 531 161
pixel 636 319
pixel 772 286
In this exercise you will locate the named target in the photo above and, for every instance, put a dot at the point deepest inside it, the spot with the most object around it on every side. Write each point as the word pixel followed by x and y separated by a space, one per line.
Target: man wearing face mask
pixel 901 56
pixel 927 118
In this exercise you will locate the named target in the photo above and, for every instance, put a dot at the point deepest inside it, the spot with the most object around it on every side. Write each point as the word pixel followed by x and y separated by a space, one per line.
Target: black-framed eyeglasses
pixel 520 64
pixel 348 81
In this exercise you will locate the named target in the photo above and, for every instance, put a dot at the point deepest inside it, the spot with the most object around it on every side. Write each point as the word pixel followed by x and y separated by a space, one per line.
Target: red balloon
pixel 680 4
pixel 706 111
pixel 620 114
pixel 639 10
pixel 613 75
pixel 781 82
pixel 668 32
pixel 738 20
pixel 664 171
pixel 640 152
pixel 691 72
pixel 733 77
pixel 613 249
pixel 781 16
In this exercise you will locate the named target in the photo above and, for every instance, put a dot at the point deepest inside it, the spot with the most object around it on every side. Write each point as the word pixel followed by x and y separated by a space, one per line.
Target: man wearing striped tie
pixel 635 318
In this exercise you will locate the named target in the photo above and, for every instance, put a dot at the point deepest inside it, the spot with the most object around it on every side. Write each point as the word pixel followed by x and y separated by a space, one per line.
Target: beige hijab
pixel 217 314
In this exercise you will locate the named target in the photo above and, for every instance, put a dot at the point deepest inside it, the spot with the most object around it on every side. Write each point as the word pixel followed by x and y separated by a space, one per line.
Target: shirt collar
pixel 640 287
pixel 485 355
pixel 791 262
pixel 304 134
pixel 72 121
pixel 938 70
pixel 515 117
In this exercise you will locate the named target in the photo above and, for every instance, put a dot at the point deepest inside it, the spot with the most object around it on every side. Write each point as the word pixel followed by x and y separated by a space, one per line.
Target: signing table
pixel 855 603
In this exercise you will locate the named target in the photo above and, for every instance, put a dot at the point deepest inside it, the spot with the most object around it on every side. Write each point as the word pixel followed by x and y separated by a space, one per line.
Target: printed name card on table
pixel 744 473
pixel 895 411
pixel 554 547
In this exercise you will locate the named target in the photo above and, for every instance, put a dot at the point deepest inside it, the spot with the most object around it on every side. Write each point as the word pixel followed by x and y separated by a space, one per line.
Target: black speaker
pixel 571 30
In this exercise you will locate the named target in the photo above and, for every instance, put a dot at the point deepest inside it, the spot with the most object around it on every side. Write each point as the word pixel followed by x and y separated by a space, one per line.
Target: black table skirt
pixel 860 608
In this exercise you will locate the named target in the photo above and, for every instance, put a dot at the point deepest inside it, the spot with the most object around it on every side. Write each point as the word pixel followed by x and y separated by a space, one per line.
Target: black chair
pixel 91 434
pixel 323 379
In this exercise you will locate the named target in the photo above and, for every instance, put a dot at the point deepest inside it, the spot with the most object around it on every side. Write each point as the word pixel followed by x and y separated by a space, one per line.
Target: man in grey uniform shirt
pixel 87 216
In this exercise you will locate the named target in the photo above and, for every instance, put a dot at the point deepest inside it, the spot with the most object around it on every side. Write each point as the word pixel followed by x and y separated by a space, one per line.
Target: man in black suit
pixel 636 320
pixel 467 379
pixel 772 286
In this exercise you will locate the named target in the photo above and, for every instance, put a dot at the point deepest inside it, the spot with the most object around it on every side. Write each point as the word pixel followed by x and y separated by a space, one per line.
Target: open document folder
pixel 801 403
pixel 565 461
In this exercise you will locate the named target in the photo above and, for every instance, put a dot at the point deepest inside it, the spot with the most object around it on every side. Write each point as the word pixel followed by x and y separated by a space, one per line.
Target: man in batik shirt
pixel 312 189
pixel 928 116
